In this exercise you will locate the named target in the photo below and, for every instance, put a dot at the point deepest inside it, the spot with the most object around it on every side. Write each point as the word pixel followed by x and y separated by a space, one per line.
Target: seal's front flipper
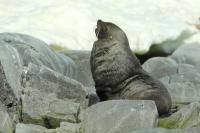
pixel 93 99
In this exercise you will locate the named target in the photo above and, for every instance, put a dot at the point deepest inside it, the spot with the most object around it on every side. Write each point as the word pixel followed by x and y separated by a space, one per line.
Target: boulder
pixel 10 70
pixel 30 49
pixel 82 61
pixel 17 51
pixel 66 127
pixel 49 97
pixel 6 124
pixel 47 110
pixel 184 85
pixel 48 81
pixel 160 66
pixel 44 87
pixel 181 80
pixel 38 85
pixel 188 54
pixel 186 117
pixel 30 128
pixel 8 96
pixel 162 130
pixel 119 116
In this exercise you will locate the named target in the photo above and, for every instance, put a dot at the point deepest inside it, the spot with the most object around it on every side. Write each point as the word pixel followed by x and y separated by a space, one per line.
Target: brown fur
pixel 117 72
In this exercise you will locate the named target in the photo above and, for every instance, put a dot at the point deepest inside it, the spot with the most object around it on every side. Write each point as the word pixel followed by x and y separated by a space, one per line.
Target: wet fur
pixel 117 72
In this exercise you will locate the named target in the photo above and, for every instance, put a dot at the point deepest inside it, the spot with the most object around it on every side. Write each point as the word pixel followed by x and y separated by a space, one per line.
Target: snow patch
pixel 72 23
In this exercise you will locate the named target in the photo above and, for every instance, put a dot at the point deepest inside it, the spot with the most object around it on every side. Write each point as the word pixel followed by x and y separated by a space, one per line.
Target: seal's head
pixel 107 30
pixel 101 30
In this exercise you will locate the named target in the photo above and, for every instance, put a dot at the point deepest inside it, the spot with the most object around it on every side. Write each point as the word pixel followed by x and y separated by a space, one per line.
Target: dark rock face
pixel 7 97
pixel 165 48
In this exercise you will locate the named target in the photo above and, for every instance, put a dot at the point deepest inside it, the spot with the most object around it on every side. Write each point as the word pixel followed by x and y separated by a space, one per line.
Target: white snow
pixel 71 23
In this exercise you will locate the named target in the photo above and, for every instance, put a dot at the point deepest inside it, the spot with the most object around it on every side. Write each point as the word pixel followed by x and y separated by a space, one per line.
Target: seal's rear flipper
pixel 93 99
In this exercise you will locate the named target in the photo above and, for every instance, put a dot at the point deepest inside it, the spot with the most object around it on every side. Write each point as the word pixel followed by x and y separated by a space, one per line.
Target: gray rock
pixel 30 128
pixel 8 98
pixel 181 80
pixel 186 117
pixel 188 54
pixel 16 52
pixel 162 130
pixel 47 110
pixel 37 85
pixel 30 49
pixel 160 66
pixel 6 125
pixel 66 127
pixel 82 60
pixel 10 70
pixel 48 81
pixel 183 86
pixel 119 116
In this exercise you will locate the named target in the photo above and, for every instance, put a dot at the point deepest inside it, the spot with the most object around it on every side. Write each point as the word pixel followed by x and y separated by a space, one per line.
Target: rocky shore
pixel 44 91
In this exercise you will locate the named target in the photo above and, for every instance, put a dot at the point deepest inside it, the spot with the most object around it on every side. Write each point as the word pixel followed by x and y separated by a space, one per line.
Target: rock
pixel 38 86
pixel 160 66
pixel 82 60
pixel 119 116
pixel 6 125
pixel 66 127
pixel 60 97
pixel 8 96
pixel 188 54
pixel 16 52
pixel 162 130
pixel 30 128
pixel 10 69
pixel 47 110
pixel 36 51
pixel 183 86
pixel 186 117
pixel 181 80
pixel 48 81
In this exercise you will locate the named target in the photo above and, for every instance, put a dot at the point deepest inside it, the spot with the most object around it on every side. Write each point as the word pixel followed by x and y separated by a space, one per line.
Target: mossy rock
pixel 188 116
pixel 81 130
pixel 57 47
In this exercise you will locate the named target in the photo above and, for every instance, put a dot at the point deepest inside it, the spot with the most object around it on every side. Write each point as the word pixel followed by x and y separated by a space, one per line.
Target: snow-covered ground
pixel 72 22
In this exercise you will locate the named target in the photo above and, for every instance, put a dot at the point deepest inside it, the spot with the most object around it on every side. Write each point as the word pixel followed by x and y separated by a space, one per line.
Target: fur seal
pixel 118 73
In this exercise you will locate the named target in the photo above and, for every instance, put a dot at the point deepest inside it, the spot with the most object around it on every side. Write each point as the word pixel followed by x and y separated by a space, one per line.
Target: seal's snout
pixel 101 30
pixel 98 29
